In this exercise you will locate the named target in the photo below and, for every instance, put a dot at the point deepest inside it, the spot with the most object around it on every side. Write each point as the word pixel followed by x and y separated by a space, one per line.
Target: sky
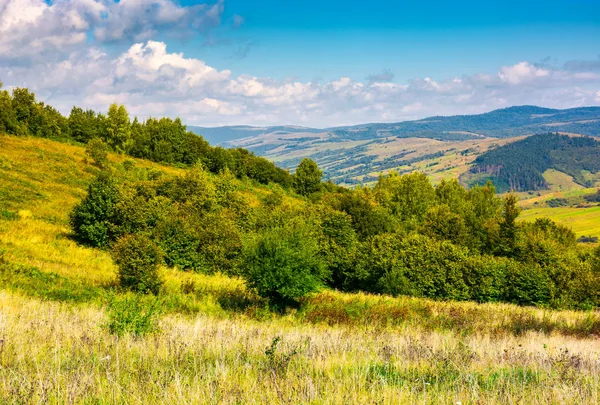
pixel 302 62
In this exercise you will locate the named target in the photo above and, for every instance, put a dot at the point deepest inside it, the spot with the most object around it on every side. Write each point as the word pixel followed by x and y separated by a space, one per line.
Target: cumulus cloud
pixel 42 30
pixel 522 73
pixel 151 81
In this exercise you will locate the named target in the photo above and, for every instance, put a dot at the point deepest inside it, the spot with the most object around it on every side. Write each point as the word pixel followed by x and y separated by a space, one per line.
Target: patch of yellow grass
pixel 56 353
pixel 583 221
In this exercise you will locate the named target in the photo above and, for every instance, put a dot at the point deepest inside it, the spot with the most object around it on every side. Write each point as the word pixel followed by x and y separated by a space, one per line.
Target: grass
pixel 216 342
pixel 583 221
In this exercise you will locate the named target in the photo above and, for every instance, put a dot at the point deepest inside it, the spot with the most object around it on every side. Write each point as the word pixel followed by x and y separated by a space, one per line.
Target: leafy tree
pixel 118 128
pixel 508 225
pixel 83 125
pixel 91 219
pixel 8 118
pixel 307 179
pixel 443 224
pixel 97 149
pixel 408 197
pixel 138 258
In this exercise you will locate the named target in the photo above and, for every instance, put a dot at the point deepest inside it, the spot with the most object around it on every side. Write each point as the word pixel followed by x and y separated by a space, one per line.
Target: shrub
pixel 426 268
pixel 91 218
pixel 283 265
pixel 527 284
pixel 178 239
pixel 138 259
pixel 133 315
pixel 97 149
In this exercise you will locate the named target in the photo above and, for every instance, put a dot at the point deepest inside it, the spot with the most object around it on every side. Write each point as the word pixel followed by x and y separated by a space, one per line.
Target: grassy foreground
pixel 217 343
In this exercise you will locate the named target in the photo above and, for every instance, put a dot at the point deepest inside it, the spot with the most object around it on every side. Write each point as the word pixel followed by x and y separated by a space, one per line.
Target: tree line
pixel 162 140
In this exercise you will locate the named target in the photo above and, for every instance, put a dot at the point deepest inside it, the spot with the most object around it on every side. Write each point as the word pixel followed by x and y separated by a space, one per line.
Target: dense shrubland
pixel 401 237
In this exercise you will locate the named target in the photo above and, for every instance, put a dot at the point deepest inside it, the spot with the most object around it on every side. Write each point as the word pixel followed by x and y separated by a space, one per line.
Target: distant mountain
pixel 503 123
pixel 222 135
pixel 440 146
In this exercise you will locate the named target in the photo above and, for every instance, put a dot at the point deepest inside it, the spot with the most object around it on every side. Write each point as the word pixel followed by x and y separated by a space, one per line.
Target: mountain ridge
pixel 521 116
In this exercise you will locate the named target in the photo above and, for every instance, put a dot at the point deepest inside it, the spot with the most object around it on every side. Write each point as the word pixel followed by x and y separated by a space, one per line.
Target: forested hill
pixel 502 123
pixel 520 165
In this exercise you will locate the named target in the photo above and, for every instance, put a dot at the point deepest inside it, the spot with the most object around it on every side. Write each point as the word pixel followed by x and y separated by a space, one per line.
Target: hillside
pixel 354 154
pixel 521 165
pixel 214 338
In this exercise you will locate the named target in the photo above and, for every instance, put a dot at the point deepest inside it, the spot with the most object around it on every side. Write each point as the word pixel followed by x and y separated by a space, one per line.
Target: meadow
pixel 212 340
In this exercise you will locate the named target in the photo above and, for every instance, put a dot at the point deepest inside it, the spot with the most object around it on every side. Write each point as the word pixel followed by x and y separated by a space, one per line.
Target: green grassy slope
pixel 218 343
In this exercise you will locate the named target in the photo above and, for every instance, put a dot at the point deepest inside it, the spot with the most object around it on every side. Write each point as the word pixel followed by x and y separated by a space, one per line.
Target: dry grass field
pixel 216 342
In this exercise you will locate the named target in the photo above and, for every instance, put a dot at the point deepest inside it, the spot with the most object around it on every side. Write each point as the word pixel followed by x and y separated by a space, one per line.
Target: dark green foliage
pixel 520 165
pixel 528 285
pixel 84 125
pixel 307 179
pixel 92 219
pixel 138 258
pixel 283 264
pixel 179 240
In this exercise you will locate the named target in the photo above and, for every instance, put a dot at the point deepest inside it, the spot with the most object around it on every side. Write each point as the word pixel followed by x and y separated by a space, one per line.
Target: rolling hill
pixel 441 146
pixel 521 165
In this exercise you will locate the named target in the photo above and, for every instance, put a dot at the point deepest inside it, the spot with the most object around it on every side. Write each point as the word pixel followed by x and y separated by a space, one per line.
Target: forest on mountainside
pixel 520 165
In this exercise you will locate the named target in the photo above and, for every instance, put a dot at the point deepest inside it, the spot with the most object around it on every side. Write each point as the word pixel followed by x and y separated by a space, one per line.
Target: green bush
pixel 283 264
pixel 138 258
pixel 528 284
pixel 178 238
pixel 97 149
pixel 91 218
pixel 426 268
pixel 132 315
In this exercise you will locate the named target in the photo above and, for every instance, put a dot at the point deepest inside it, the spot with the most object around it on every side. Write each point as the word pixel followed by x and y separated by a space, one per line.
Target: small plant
pixel 278 363
pixel 132 315
pixel 138 259
pixel 97 149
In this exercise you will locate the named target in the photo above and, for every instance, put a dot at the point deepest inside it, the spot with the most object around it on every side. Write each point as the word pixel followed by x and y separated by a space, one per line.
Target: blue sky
pixel 308 62
pixel 325 39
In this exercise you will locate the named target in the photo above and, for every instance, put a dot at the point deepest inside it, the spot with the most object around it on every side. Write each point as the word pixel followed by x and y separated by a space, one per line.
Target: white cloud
pixel 521 73
pixel 151 81
pixel 39 30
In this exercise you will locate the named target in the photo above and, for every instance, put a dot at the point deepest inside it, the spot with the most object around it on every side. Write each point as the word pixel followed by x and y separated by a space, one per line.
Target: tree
pixel 91 218
pixel 97 149
pixel 83 125
pixel 307 179
pixel 408 197
pixel 8 119
pixel 508 225
pixel 118 131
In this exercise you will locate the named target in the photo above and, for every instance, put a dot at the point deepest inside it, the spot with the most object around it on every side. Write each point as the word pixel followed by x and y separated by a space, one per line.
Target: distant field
pixel 583 221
